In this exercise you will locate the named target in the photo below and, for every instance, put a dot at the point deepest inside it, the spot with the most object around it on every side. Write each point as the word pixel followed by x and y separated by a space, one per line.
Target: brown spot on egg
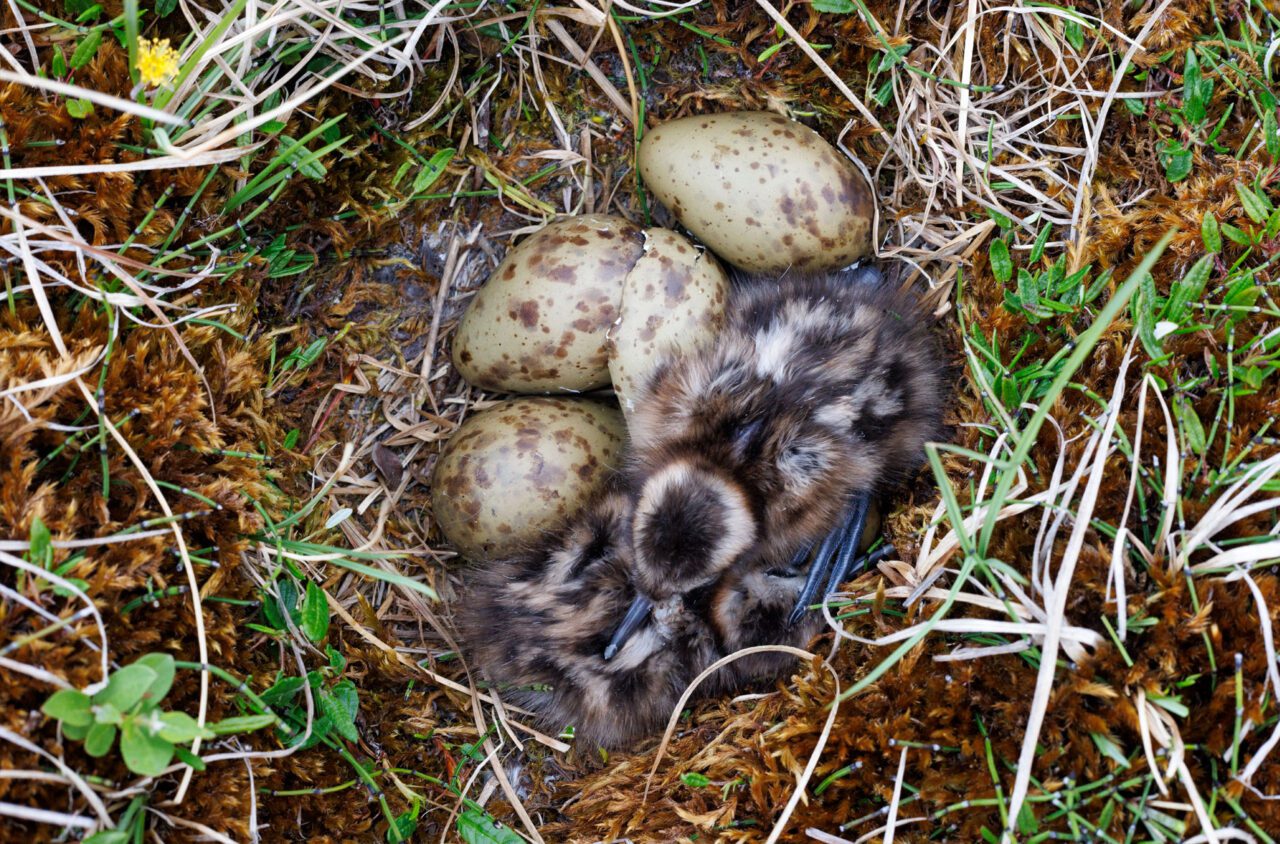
pixel 563 274
pixel 527 312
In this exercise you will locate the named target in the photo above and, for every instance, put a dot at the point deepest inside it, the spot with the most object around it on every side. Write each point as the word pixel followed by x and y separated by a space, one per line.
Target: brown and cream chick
pixel 820 392
pixel 535 626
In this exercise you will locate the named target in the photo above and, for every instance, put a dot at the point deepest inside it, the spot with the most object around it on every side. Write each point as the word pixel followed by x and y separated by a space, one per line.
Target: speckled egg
pixel 539 324
pixel 763 192
pixel 514 471
pixel 672 302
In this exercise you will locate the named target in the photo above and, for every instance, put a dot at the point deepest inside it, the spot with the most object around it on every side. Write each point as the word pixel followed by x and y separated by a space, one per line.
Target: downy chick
pixel 536 626
pixel 820 391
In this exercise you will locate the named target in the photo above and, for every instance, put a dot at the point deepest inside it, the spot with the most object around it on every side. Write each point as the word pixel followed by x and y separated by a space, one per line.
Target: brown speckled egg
pixel 540 322
pixel 763 192
pixel 514 471
pixel 672 302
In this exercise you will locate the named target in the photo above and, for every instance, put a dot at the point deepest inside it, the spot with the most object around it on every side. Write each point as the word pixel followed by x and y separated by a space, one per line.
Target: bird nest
pixel 1077 639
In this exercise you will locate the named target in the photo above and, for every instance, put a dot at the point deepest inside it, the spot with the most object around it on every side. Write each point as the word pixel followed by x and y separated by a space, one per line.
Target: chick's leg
pixel 837 557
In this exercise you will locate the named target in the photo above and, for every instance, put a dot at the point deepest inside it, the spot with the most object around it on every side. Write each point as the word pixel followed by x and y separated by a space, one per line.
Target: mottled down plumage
pixel 816 389
pixel 536 625
pixel 743 455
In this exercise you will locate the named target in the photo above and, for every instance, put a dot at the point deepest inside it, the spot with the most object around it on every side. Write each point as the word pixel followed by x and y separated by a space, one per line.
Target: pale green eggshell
pixel 540 323
pixel 513 472
pixel 673 302
pixel 763 192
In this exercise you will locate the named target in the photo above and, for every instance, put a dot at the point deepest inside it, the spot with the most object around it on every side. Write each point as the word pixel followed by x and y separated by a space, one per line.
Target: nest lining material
pixel 924 740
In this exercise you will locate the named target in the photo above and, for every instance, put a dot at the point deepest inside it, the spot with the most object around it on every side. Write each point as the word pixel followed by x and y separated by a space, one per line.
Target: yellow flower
pixel 157 61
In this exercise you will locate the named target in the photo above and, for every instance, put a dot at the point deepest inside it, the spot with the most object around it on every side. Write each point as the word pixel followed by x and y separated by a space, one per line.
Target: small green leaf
pixel 92 11
pixel 186 757
pixel 320 728
pixel 1037 249
pixel 76 732
pixel 126 686
pixel 64 592
pixel 1001 263
pixel 884 94
pixel 271 612
pixel 1236 236
pixel 241 724
pixel 288 597
pixel 1189 289
pixel 1144 307
pixel 433 170
pixel 1028 293
pixel 1194 93
pixel 144 753
pixel 108 836
pixel 163 666
pixel 833 7
pixel 70 707
pixel 1190 425
pixel 1271 135
pixel 1027 823
pixel 770 52
pixel 1210 233
pixel 1109 749
pixel 299 155
pixel 1135 105
pixel 107 714
pixel 1074 33
pixel 1254 205
pixel 476 827
pixel 41 551
pixel 181 728
pixel 1171 704
pixel 99 739
pixel 693 779
pixel 346 693
pixel 1242 295
pixel 336 660
pixel 1177 160
pixel 58 63
pixel 86 49
pixel 1000 219
pixel 164 7
pixel 315 613
pixel 282 691
pixel 404 825
pixel 335 709
pixel 291 438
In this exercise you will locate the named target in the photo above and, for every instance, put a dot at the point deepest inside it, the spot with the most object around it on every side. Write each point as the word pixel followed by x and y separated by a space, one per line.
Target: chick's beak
pixel 637 615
